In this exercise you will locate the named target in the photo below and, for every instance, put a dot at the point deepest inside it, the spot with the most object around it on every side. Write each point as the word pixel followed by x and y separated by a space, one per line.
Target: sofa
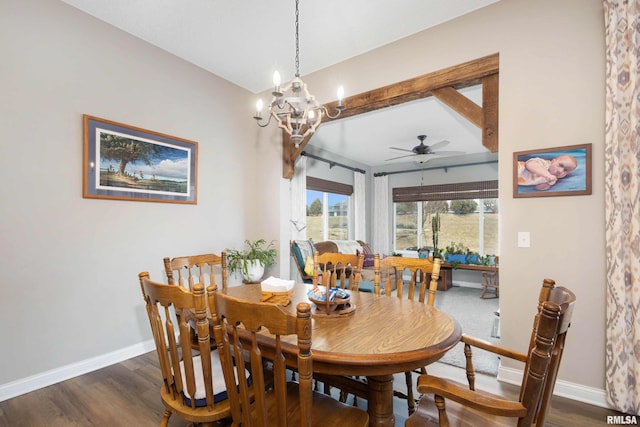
pixel 301 249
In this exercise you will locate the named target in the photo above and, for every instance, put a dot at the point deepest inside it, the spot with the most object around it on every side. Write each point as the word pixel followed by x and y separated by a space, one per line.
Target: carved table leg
pixel 380 404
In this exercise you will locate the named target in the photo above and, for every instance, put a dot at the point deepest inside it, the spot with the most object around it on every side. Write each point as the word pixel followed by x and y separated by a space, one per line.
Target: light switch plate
pixel 524 239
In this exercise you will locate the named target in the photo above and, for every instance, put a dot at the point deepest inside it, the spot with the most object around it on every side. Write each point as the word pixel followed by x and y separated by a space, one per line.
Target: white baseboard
pixel 44 379
pixel 573 391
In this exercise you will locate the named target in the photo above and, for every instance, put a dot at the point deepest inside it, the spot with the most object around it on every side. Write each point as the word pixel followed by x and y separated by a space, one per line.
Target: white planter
pixel 255 271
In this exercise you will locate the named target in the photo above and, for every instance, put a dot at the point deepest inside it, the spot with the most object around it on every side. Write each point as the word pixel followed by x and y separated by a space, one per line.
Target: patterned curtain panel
pixel 622 201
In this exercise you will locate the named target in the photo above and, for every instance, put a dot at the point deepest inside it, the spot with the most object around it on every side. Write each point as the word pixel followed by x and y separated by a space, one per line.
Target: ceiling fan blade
pixel 447 153
pixel 401 157
pixel 401 149
pixel 443 143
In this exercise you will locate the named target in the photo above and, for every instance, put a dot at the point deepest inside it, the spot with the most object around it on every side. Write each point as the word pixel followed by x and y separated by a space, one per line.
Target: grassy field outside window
pixel 463 228
pixel 327 216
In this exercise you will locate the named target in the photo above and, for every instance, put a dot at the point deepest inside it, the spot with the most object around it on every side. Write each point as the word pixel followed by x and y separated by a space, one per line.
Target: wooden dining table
pixel 383 336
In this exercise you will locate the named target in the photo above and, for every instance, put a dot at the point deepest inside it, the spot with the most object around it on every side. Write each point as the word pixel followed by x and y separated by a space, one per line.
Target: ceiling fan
pixel 424 153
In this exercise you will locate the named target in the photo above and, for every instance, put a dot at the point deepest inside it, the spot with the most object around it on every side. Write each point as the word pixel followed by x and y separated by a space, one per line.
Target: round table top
pixel 384 335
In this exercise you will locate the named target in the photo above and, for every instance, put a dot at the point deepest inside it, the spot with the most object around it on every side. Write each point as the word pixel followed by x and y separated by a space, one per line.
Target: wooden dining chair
pixel 338 270
pixel 409 278
pixel 415 279
pixel 193 385
pixel 263 331
pixel 449 403
pixel 491 284
pixel 187 271
pixel 343 271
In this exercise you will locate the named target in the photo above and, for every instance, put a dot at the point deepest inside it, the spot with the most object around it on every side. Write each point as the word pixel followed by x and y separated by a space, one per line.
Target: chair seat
pixel 370 287
pixel 367 280
pixel 426 414
pixel 367 274
pixel 219 411
pixel 219 387
pixel 366 287
pixel 325 411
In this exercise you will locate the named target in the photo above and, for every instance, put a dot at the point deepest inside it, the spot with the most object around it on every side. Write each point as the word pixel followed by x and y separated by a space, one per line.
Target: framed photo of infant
pixel 560 171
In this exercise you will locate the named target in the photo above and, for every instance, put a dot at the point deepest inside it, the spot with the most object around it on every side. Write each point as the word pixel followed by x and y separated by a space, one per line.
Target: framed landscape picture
pixel 561 171
pixel 123 162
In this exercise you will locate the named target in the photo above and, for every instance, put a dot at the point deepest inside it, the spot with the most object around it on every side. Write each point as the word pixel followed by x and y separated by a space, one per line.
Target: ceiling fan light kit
pixel 421 159
pixel 293 107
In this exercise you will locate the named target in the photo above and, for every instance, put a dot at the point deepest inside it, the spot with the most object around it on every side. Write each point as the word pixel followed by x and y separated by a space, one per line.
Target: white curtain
pixel 622 203
pixel 359 207
pixel 298 218
pixel 381 218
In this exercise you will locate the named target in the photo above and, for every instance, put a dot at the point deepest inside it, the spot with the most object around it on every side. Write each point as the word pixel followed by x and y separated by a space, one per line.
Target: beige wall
pixel 551 94
pixel 70 297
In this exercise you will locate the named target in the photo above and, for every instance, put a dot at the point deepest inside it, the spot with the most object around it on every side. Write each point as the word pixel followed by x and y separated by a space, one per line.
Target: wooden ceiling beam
pixel 460 103
pixel 490 112
pixel 483 70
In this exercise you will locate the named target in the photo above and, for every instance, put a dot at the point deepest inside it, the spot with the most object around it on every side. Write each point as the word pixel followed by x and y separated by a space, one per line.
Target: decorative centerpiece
pixel 336 304
pixel 276 291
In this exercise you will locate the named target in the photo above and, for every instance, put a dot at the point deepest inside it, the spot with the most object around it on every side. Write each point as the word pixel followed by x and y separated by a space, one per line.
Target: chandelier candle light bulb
pixel 259 105
pixel 276 83
pixel 340 107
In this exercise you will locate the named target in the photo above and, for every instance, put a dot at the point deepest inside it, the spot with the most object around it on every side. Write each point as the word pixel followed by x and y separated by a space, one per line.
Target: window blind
pixel 329 186
pixel 458 191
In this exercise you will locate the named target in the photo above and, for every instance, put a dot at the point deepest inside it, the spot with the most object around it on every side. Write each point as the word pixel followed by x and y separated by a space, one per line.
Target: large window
pixel 468 215
pixel 328 209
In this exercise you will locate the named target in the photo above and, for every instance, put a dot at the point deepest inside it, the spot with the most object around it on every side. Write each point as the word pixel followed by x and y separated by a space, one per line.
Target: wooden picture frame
pixel 123 162
pixel 531 182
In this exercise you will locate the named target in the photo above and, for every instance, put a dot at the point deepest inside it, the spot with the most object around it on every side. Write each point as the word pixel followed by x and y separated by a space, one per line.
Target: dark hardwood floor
pixel 126 394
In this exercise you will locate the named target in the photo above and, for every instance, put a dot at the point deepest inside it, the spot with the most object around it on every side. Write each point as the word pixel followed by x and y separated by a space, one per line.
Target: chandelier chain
pixel 297 112
pixel 297 43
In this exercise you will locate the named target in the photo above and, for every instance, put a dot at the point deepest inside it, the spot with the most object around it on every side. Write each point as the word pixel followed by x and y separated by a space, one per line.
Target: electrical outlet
pixel 524 239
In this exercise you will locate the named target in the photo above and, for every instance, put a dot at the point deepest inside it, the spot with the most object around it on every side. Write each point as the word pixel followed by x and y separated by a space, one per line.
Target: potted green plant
pixel 456 252
pixel 488 259
pixel 472 257
pixel 253 260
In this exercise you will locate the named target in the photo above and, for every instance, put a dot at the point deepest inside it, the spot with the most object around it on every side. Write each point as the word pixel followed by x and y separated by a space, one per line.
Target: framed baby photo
pixel 560 171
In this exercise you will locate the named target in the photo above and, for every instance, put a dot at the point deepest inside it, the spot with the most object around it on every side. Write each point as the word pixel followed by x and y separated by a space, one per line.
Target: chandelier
pixel 294 108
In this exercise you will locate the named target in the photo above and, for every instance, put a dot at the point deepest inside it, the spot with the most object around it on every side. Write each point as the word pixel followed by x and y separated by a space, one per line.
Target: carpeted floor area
pixel 476 317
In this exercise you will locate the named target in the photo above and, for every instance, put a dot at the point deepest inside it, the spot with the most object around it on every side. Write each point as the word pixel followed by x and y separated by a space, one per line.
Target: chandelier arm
pixel 339 110
pixel 259 119
pixel 278 102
